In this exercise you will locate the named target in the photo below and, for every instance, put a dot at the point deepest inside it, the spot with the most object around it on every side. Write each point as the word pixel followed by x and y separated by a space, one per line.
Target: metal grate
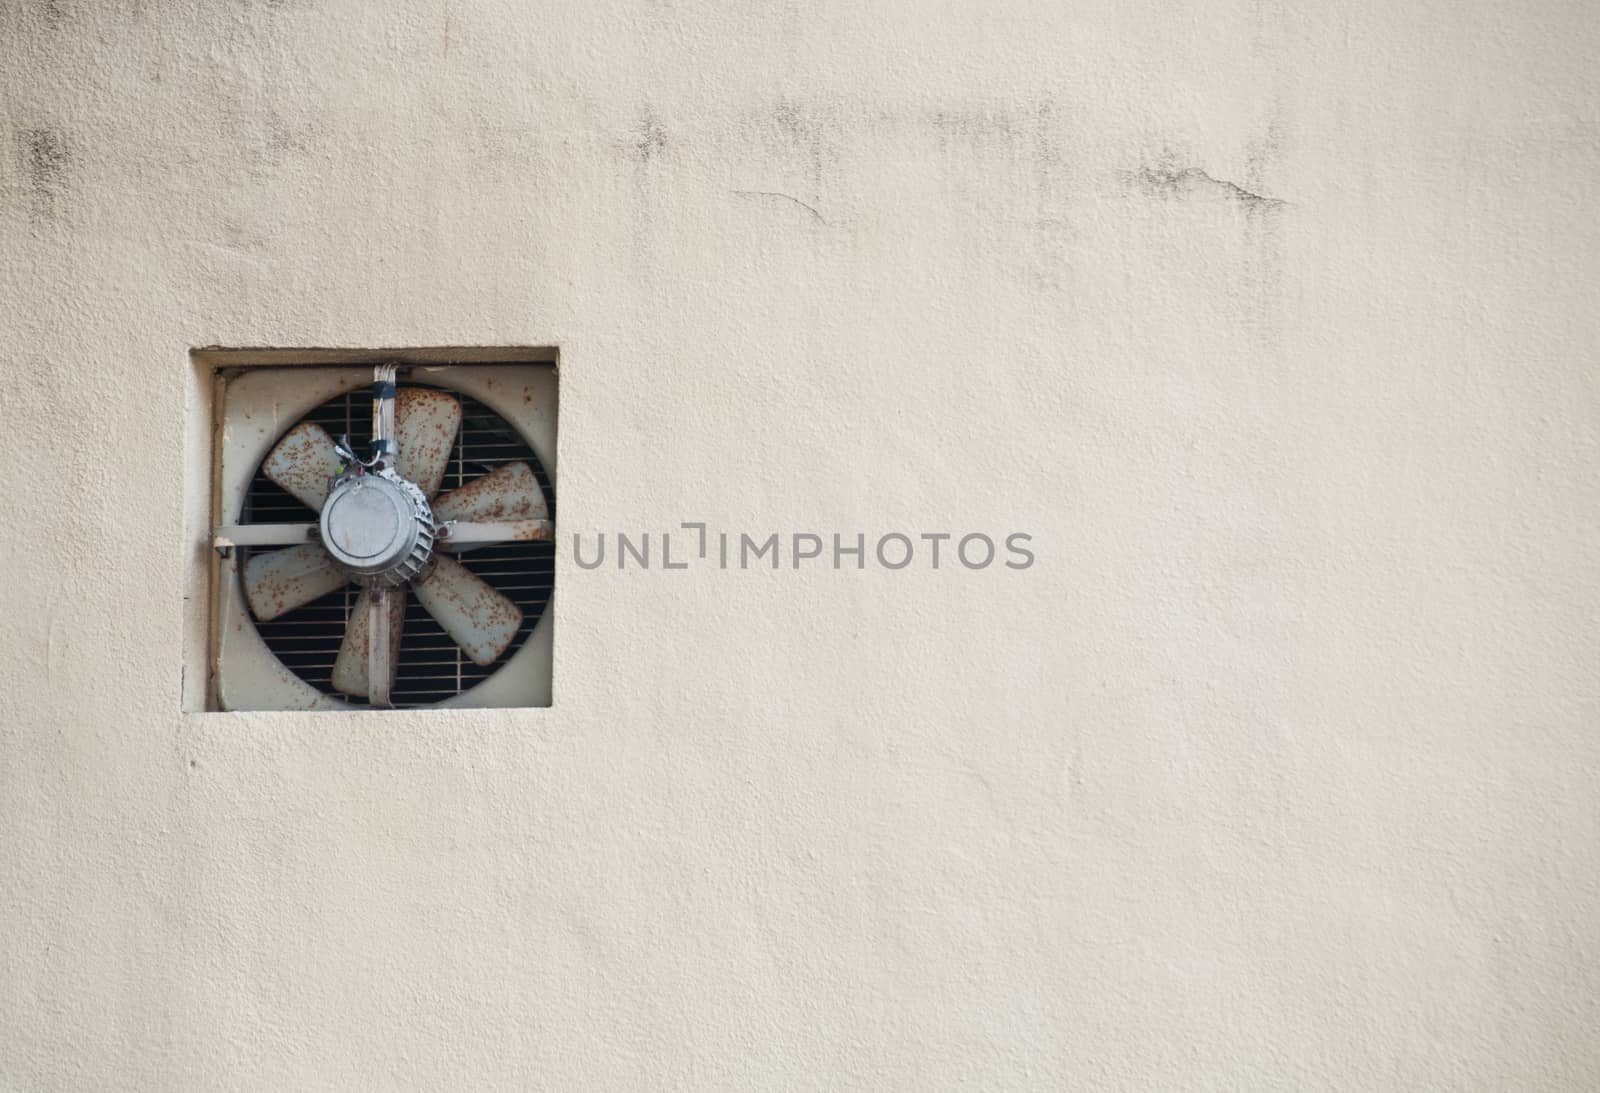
pixel 432 667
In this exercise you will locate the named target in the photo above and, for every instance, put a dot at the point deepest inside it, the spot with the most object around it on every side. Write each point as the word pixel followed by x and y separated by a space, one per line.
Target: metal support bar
pixel 248 535
pixel 462 532
pixel 378 652
pixel 378 635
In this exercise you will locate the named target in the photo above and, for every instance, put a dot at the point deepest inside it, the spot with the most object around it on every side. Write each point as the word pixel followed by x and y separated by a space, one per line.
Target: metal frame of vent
pixel 256 406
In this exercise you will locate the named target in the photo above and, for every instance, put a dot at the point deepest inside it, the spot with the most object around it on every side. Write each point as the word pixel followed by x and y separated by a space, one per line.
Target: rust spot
pixel 279 581
pixel 477 618
pixel 303 463
pixel 425 424
pixel 350 666
pixel 509 492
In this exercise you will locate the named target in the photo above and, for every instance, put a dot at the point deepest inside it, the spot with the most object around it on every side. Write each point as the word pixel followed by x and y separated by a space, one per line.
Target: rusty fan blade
pixel 303 463
pixel 509 492
pixel 350 674
pixel 477 618
pixel 279 581
pixel 425 424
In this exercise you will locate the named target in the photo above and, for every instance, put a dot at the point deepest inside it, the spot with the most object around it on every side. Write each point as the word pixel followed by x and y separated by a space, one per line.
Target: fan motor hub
pixel 378 528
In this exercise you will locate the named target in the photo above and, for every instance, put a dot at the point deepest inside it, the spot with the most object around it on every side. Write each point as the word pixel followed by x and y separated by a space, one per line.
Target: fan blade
pixel 509 492
pixel 478 618
pixel 425 424
pixel 279 581
pixel 303 463
pixel 350 675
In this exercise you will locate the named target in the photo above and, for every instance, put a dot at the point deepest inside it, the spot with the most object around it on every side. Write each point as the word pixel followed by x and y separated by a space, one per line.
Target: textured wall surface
pixel 1273 322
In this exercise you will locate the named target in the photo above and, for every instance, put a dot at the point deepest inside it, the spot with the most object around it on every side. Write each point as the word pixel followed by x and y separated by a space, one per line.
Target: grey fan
pixel 382 525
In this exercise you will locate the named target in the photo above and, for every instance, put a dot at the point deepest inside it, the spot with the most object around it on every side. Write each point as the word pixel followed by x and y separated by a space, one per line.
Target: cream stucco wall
pixel 1273 322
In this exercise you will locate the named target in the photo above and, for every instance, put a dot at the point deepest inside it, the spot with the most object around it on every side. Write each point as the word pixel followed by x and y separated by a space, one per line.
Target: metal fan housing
pixel 392 546
pixel 378 528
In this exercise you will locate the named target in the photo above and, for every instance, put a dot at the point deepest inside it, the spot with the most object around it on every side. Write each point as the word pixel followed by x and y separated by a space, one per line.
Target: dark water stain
pixel 1261 155
pixel 1051 180
pixel 503 147
pixel 48 164
pixel 264 141
pixel 962 123
pixel 1260 220
pixel 282 140
pixel 1266 247
pixel 800 130
pixel 34 16
pixel 977 121
pixel 649 137
pixel 646 143
pixel 814 129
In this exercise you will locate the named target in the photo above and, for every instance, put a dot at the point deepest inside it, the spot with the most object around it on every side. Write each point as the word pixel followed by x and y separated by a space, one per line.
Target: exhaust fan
pixel 387 522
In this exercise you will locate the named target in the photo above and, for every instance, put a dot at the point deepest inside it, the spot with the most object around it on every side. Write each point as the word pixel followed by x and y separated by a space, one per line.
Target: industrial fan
pixel 383 525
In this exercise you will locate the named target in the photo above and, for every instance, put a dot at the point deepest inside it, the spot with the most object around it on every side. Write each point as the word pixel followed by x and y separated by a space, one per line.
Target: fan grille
pixel 432 667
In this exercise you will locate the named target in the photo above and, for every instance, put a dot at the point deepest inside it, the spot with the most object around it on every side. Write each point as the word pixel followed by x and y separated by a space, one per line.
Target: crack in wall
pixel 786 197
pixel 1175 181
